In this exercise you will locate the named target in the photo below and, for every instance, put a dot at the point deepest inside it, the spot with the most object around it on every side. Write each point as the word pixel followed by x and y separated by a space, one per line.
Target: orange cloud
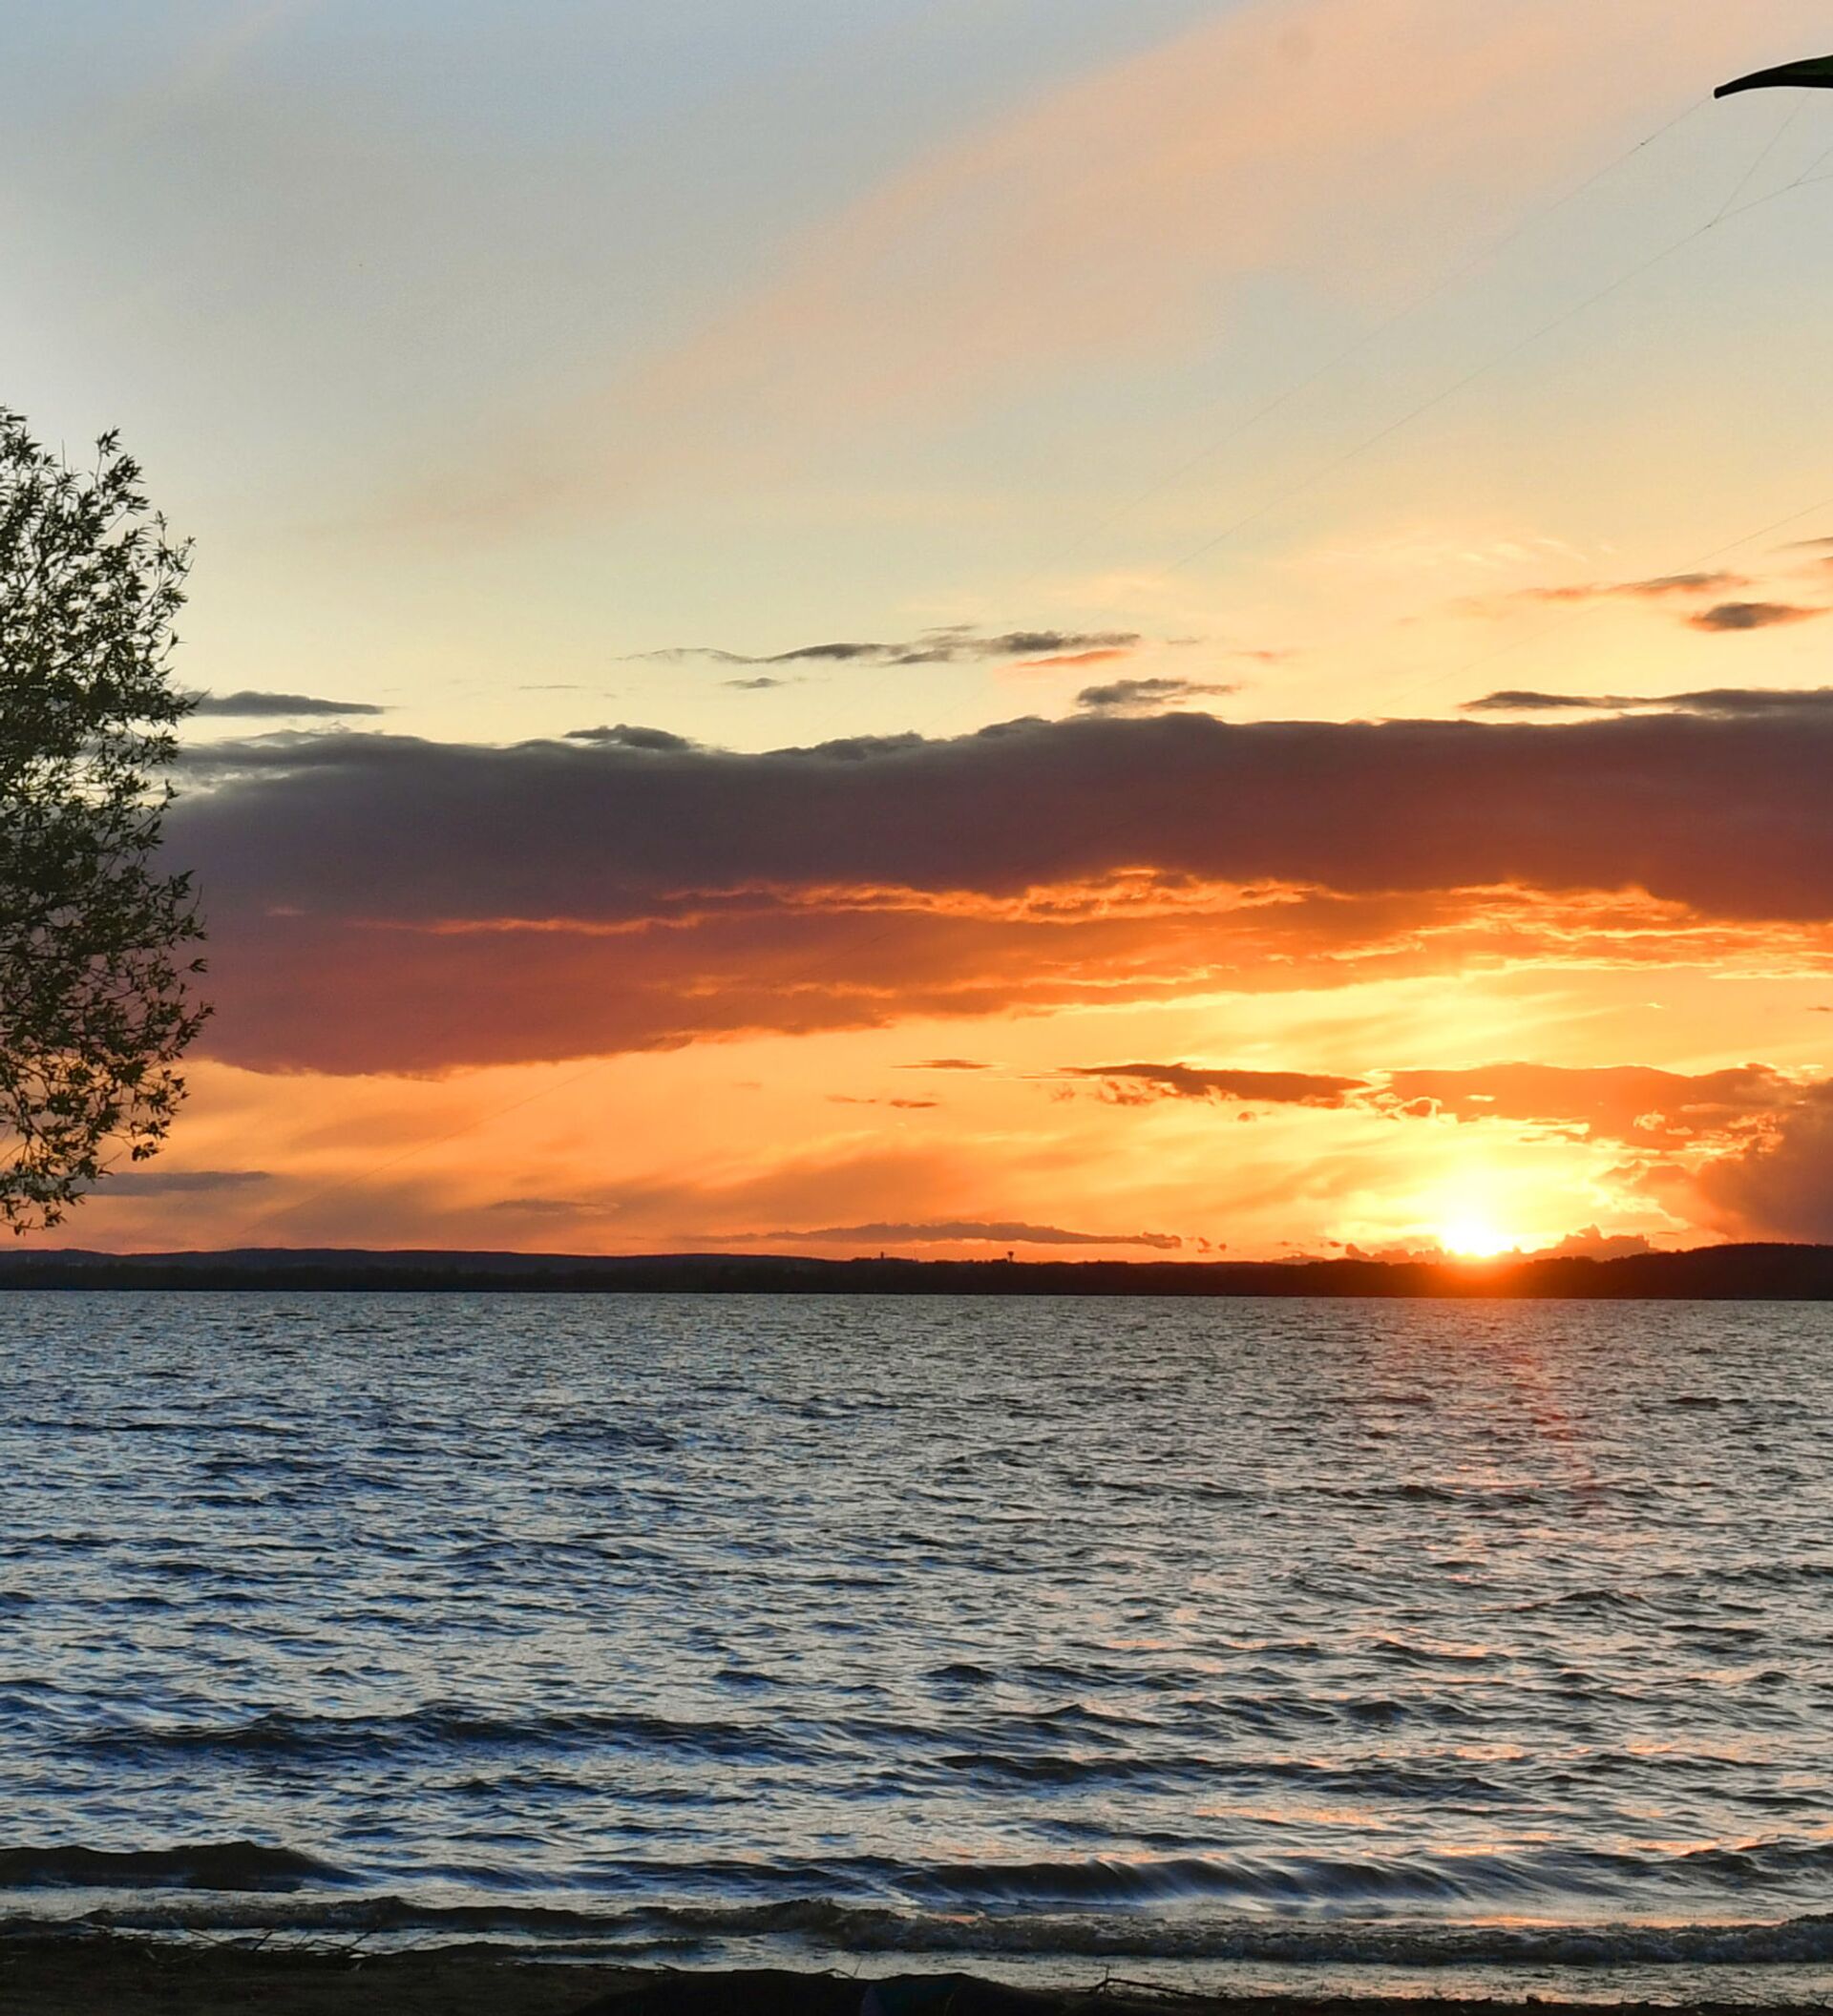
pixel 1778 1185
pixel 1071 661
pixel 1662 588
pixel 1640 1107
pixel 1636 1105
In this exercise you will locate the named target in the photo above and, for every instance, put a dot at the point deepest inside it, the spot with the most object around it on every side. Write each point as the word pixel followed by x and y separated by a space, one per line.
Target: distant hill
pixel 1754 1273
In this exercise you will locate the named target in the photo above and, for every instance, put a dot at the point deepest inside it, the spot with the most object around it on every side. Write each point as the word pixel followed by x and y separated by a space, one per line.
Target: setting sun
pixel 1472 1236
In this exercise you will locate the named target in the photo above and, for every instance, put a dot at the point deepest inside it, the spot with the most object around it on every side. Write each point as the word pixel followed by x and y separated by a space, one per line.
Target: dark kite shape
pixel 1811 73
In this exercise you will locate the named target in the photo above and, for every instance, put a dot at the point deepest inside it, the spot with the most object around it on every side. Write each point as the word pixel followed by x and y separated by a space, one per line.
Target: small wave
pixel 828 1927
pixel 437 1729
pixel 1588 1602
pixel 1001 1767
pixel 1400 1652
pixel 1296 1889
pixel 1109 1880
pixel 1794 1942
pixel 209 1865
pixel 1761 1862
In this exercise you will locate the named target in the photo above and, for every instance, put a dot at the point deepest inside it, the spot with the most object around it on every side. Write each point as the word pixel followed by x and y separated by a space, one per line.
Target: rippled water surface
pixel 1382 1643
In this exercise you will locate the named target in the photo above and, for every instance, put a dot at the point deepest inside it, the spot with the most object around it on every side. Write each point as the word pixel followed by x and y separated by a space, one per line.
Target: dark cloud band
pixel 1726 811
pixel 379 902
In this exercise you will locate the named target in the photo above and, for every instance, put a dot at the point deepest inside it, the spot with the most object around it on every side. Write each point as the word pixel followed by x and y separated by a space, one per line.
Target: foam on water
pixel 1280 1644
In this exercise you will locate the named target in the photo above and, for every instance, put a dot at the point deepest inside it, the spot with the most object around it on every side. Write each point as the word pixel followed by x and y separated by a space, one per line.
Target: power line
pixel 1366 340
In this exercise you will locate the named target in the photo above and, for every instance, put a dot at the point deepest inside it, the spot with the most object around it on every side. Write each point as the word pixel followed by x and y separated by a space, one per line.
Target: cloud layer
pixel 383 902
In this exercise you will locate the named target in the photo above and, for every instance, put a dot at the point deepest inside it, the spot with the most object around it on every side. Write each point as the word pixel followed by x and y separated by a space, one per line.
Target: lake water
pixel 1375 1645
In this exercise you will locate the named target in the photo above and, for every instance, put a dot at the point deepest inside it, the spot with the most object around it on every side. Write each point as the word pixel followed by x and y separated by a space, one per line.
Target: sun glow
pixel 1470 1235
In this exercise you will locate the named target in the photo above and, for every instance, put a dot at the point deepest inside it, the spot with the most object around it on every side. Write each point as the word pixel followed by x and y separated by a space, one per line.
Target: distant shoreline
pixel 1723 1274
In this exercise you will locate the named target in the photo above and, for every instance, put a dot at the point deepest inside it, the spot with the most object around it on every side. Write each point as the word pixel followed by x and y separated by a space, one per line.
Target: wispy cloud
pixel 179 1183
pixel 1751 616
pixel 1731 614
pixel 1145 696
pixel 542 1207
pixel 1077 661
pixel 281 706
pixel 952 645
pixel 1663 587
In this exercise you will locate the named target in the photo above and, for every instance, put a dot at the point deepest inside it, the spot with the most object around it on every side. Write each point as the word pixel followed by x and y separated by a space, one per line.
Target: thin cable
pixel 1751 172
pixel 1812 171
pixel 1763 203
pixel 1438 399
pixel 1352 350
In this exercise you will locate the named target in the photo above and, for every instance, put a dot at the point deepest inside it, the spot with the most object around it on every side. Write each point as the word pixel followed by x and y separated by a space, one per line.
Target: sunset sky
pixel 1094 627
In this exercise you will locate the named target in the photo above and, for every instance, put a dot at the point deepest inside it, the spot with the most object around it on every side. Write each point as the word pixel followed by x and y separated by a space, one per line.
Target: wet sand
pixel 111 1976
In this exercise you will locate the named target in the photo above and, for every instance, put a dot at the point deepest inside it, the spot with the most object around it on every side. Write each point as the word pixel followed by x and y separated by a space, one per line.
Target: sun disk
pixel 1471 1237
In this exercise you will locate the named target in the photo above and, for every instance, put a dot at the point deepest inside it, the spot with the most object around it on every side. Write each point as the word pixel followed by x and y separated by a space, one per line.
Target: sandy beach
pixel 114 1976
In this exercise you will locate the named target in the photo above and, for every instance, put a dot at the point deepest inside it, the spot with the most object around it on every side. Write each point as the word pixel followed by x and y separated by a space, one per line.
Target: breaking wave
pixel 812 1923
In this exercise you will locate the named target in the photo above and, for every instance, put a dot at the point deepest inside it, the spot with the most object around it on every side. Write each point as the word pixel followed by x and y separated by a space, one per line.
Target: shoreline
pixel 1720 1274
pixel 87 1972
